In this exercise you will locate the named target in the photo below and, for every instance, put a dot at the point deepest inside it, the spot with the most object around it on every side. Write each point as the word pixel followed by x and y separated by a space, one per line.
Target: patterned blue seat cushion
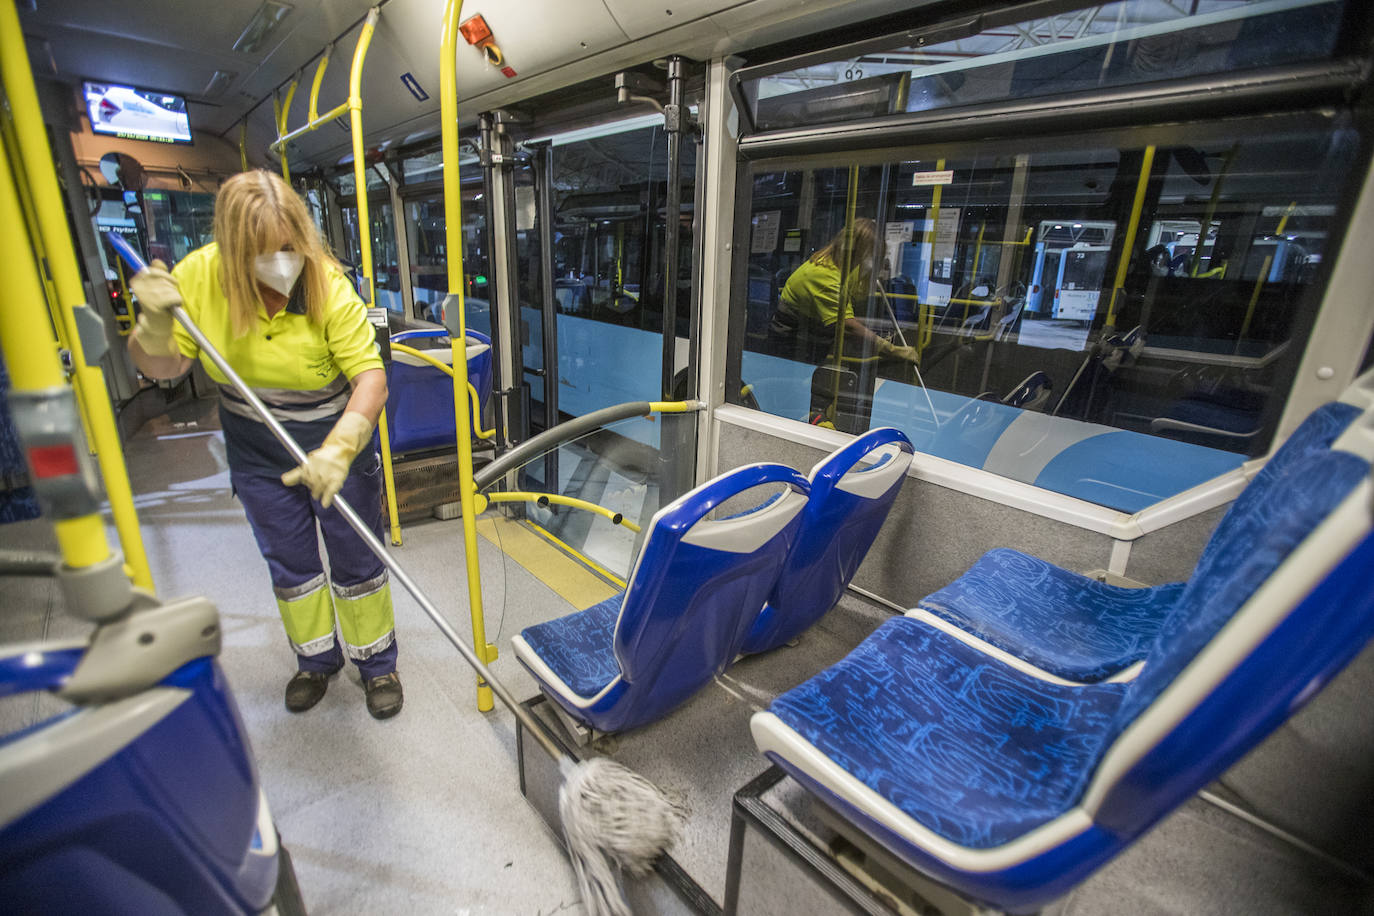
pixel 578 648
pixel 974 750
pixel 1064 623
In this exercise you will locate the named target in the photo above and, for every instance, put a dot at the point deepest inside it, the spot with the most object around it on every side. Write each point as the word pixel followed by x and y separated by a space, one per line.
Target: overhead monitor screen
pixel 137 114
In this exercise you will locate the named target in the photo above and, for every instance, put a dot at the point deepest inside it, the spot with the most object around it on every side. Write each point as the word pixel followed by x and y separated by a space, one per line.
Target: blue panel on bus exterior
pixel 782 387
pixel 1131 471
pixel 600 365
pixel 166 824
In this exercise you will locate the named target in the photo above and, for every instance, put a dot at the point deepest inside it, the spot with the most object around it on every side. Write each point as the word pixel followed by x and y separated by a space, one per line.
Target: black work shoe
pixel 306 688
pixel 383 695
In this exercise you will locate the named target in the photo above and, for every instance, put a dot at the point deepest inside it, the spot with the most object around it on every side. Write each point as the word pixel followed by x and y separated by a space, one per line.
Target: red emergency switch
pixel 475 30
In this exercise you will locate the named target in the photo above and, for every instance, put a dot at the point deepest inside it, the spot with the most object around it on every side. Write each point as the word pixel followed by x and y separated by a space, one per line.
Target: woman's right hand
pixel 158 294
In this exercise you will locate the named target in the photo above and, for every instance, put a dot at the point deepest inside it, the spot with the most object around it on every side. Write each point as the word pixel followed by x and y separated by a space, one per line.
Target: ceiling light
pixel 262 25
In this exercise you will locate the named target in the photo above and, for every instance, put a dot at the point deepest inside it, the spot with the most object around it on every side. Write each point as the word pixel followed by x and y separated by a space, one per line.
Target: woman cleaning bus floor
pixel 269 296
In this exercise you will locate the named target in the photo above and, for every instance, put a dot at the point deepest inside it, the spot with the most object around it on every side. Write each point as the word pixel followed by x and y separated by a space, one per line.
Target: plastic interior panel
pixel 746 532
pixel 838 528
pixel 688 607
pixel 135 835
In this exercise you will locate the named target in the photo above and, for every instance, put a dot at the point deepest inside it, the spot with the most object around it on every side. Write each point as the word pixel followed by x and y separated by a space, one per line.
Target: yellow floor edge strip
pixel 572 581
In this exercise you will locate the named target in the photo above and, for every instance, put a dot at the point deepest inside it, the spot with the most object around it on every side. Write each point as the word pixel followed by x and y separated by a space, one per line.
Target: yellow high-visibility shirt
pixel 299 370
pixel 813 291
pixel 286 351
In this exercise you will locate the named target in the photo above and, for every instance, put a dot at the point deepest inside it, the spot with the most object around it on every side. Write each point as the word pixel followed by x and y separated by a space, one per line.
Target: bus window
pixel 1038 301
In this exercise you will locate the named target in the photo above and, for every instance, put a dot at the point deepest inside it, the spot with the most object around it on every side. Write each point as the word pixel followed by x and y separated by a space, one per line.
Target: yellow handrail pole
pixel 520 496
pixel 1211 209
pixel 124 322
pixel 1263 274
pixel 314 112
pixel 448 370
pixel 355 123
pixel 283 112
pixel 30 354
pixel 842 296
pixel 925 334
pixel 323 119
pixel 1128 245
pixel 27 205
pixel 243 147
pixel 453 234
pixel 89 381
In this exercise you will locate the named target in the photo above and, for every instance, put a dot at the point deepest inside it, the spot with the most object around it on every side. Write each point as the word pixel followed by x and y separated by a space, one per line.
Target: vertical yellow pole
pixel 1128 245
pixel 1211 209
pixel 926 331
pixel 355 123
pixel 283 112
pixel 977 256
pixel 243 147
pixel 1263 275
pixel 30 354
pixel 313 114
pixel 453 230
pixel 41 176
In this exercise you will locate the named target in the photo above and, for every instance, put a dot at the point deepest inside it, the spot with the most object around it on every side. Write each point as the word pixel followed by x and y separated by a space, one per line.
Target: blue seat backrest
pixel 420 400
pixel 1295 492
pixel 1313 436
pixel 698 583
pixel 848 504
pixel 1255 669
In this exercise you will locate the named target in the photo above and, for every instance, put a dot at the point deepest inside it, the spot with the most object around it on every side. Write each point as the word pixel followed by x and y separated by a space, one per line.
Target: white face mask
pixel 279 270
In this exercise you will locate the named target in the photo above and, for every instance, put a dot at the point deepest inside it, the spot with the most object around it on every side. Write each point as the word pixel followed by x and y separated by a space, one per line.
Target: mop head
pixel 615 820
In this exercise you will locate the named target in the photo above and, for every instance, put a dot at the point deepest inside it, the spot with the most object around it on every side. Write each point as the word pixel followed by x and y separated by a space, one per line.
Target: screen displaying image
pixel 137 114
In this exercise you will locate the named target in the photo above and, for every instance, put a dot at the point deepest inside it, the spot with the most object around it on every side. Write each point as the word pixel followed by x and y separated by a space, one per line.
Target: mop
pixel 613 818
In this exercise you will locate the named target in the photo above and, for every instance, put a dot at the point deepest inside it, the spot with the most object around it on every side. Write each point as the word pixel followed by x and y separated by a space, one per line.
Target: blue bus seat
pixel 1084 630
pixel 419 404
pixel 1011 786
pixel 148 803
pixel 695 589
pixel 852 491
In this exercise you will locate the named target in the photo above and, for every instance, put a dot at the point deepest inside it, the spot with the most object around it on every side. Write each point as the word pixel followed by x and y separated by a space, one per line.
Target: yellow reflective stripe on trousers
pixel 366 618
pixel 308 615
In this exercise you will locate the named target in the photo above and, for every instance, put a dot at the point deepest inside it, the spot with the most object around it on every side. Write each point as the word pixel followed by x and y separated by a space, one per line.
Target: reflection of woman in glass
pixel 803 325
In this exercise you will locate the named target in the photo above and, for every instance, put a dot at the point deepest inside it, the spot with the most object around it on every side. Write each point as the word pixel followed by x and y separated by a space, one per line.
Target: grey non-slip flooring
pixel 422 814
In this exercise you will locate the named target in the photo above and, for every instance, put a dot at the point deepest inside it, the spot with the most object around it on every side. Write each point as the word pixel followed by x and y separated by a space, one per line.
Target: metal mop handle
pixel 369 538
pixel 135 261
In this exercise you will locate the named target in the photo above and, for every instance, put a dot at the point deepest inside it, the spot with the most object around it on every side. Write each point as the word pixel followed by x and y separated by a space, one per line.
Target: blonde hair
pixel 252 212
pixel 852 247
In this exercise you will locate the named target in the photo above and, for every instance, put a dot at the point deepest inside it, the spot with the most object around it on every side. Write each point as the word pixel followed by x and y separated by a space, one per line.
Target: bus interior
pixel 1025 568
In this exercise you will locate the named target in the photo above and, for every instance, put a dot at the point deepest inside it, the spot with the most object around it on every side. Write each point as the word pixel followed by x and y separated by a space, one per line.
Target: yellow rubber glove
pixel 906 354
pixel 888 350
pixel 158 294
pixel 326 468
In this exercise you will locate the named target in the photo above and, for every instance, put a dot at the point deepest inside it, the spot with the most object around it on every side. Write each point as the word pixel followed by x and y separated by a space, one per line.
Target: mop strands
pixel 613 818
